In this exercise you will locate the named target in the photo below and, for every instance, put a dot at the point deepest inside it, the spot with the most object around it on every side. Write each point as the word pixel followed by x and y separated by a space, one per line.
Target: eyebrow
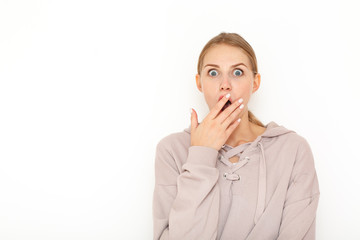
pixel 214 65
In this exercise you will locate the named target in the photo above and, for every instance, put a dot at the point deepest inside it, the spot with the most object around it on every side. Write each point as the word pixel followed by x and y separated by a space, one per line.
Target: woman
pixel 231 177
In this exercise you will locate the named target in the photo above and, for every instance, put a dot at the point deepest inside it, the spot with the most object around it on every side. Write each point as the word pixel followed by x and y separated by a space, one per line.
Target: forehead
pixel 225 54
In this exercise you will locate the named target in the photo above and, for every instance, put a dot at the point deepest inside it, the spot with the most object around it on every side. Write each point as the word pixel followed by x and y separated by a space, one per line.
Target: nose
pixel 225 84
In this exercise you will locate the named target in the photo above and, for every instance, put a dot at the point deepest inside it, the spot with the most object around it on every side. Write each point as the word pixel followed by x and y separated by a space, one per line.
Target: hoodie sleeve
pixel 186 202
pixel 298 219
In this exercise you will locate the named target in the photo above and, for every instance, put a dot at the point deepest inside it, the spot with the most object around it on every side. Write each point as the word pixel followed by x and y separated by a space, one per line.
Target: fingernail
pixel 241 106
pixel 227 95
pixel 241 100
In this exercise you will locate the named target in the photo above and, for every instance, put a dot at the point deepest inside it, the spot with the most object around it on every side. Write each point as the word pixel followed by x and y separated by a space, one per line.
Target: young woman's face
pixel 227 69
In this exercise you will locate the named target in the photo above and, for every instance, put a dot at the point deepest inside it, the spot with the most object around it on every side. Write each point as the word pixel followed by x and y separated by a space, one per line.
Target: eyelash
pixel 210 71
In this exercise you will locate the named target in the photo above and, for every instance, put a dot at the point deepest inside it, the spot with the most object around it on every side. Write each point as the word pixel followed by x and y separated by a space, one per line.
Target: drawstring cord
pixel 233 176
pixel 260 207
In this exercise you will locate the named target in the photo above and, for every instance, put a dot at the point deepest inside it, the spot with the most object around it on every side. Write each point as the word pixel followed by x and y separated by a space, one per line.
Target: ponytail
pixel 254 120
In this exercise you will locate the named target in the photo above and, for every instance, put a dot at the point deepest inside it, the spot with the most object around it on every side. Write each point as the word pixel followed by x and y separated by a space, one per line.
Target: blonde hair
pixel 235 40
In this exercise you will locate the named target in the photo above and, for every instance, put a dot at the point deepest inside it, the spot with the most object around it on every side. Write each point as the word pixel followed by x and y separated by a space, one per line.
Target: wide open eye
pixel 238 72
pixel 213 73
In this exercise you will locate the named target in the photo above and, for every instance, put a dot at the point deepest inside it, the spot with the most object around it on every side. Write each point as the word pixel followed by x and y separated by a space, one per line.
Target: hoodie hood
pixel 226 152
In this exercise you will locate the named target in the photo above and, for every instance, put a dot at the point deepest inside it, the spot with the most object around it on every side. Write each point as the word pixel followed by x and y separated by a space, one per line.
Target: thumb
pixel 194 119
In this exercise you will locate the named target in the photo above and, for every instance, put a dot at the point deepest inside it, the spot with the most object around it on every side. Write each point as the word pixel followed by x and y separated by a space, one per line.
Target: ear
pixel 198 82
pixel 256 83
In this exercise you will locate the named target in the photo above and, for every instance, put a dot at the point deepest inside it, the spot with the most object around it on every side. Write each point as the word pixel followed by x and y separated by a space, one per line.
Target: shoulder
pixel 303 154
pixel 174 140
pixel 288 141
pixel 175 143
pixel 172 151
pixel 297 139
pixel 287 136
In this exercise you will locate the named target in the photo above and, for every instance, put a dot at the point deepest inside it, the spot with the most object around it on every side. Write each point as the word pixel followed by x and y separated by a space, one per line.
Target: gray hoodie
pixel 271 193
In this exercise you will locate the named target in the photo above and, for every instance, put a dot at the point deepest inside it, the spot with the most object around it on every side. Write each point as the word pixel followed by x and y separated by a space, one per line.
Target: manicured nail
pixel 239 120
pixel 241 100
pixel 241 106
pixel 227 95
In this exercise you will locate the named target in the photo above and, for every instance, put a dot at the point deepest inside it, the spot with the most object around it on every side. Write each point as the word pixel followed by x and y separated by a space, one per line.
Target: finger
pixel 233 116
pixel 217 108
pixel 194 120
pixel 232 127
pixel 229 110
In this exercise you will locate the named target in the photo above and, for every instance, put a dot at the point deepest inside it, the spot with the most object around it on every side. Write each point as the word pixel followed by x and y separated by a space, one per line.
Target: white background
pixel 88 88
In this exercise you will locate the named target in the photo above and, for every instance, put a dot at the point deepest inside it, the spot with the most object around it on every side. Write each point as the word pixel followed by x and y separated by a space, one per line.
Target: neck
pixel 244 132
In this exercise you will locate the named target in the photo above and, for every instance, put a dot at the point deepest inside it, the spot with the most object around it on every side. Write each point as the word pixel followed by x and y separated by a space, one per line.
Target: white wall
pixel 88 88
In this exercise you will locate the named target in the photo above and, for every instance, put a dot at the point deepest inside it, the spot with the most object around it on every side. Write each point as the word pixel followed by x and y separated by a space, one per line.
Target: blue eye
pixel 213 73
pixel 238 72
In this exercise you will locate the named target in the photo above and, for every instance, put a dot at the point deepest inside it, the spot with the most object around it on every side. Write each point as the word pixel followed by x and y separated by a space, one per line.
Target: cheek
pixel 210 98
pixel 210 91
pixel 244 90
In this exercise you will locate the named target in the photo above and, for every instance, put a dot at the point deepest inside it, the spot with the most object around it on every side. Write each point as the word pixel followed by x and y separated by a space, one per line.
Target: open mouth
pixel 227 104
